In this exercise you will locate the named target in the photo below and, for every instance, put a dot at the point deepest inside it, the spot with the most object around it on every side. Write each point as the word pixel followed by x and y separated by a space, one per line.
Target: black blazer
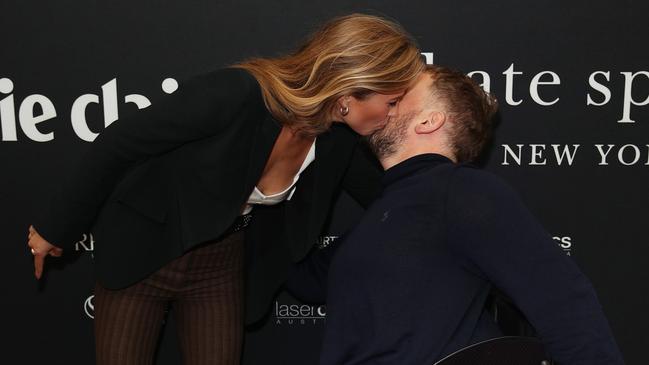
pixel 177 175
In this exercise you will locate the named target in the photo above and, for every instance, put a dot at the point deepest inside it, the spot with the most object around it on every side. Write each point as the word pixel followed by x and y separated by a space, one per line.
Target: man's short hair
pixel 469 108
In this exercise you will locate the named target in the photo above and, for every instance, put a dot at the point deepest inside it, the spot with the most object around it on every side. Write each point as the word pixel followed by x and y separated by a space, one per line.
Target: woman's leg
pixel 127 324
pixel 209 311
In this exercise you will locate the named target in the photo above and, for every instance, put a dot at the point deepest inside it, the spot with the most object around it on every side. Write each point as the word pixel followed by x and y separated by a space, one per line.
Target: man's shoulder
pixel 469 172
pixel 474 182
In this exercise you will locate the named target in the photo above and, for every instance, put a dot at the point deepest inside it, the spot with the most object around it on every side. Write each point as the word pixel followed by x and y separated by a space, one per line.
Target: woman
pixel 169 193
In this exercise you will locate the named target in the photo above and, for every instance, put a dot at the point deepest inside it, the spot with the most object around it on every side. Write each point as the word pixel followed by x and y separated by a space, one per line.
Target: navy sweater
pixel 408 284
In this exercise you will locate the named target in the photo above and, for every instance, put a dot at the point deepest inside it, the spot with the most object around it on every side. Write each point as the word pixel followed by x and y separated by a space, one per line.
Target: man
pixel 408 285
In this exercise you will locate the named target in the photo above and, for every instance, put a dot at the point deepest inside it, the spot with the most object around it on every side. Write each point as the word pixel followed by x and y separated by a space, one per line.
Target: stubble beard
pixel 386 142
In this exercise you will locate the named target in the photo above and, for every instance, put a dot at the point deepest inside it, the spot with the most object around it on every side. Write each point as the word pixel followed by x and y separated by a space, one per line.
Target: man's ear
pixel 433 122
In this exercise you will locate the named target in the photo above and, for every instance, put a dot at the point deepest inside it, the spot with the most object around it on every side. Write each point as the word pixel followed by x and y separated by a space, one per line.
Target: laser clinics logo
pixel 299 314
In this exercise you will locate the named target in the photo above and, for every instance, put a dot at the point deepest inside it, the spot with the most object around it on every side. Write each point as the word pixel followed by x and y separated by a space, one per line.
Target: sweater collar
pixel 412 165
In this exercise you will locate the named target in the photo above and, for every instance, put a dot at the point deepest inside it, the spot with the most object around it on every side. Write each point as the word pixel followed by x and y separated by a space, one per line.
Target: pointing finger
pixel 39 261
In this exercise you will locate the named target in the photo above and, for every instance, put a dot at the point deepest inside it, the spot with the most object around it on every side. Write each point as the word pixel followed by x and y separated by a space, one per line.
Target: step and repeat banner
pixel 572 79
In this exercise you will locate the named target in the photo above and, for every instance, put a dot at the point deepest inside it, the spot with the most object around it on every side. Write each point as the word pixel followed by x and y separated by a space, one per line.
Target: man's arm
pixel 501 241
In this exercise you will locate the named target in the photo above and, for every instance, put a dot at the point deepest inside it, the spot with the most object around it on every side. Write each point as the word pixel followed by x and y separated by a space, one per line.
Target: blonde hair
pixel 355 55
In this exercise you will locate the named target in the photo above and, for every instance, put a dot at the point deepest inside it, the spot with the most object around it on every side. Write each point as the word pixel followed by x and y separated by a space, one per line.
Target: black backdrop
pixel 572 79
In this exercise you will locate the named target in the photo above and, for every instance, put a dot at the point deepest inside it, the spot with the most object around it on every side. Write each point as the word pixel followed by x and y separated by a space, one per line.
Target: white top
pixel 257 197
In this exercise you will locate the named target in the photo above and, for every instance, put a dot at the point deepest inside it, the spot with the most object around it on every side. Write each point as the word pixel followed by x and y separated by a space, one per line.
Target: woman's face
pixel 370 113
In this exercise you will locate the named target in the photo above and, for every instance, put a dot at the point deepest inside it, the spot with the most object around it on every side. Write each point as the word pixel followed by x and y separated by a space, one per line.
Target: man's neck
pixel 404 154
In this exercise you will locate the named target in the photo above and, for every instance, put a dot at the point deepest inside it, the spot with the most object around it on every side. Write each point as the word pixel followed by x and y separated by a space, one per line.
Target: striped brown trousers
pixel 205 290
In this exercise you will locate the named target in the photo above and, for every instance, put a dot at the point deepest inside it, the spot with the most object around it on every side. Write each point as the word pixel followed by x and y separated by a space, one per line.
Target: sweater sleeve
pixel 499 239
pixel 202 107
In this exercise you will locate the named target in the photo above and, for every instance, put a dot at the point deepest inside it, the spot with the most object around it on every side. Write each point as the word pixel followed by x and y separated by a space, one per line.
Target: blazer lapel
pixel 323 147
pixel 307 205
pixel 262 146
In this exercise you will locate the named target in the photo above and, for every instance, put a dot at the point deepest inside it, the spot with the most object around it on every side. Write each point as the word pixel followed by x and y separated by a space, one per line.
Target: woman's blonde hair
pixel 355 55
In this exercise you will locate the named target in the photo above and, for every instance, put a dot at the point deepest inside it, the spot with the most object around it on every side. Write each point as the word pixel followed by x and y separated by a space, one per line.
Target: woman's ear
pixel 343 101
pixel 341 108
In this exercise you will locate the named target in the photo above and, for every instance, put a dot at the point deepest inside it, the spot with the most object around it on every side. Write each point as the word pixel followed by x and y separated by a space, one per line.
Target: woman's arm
pixel 203 106
pixel 362 180
pixel 307 279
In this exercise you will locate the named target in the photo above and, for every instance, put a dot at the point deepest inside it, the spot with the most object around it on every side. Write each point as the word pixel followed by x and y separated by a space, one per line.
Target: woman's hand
pixel 40 249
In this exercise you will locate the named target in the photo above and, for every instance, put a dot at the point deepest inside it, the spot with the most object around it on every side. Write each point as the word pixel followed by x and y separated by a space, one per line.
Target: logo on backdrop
pixel 599 93
pixel 299 314
pixel 89 307
pixel 36 109
pixel 565 242
pixel 31 112
pixel 87 243
pixel 561 155
pixel 325 241
pixel 543 82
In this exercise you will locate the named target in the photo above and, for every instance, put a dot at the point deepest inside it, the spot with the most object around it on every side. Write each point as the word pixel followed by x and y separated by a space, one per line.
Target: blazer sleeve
pixel 203 106
pixel 362 179
pixel 307 279
pixel 498 238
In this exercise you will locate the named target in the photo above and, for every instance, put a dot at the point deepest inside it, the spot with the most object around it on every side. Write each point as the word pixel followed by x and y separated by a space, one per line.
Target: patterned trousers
pixel 204 288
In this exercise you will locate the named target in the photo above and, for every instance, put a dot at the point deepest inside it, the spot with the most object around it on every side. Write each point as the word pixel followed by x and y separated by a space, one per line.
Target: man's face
pixel 388 140
pixel 373 112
